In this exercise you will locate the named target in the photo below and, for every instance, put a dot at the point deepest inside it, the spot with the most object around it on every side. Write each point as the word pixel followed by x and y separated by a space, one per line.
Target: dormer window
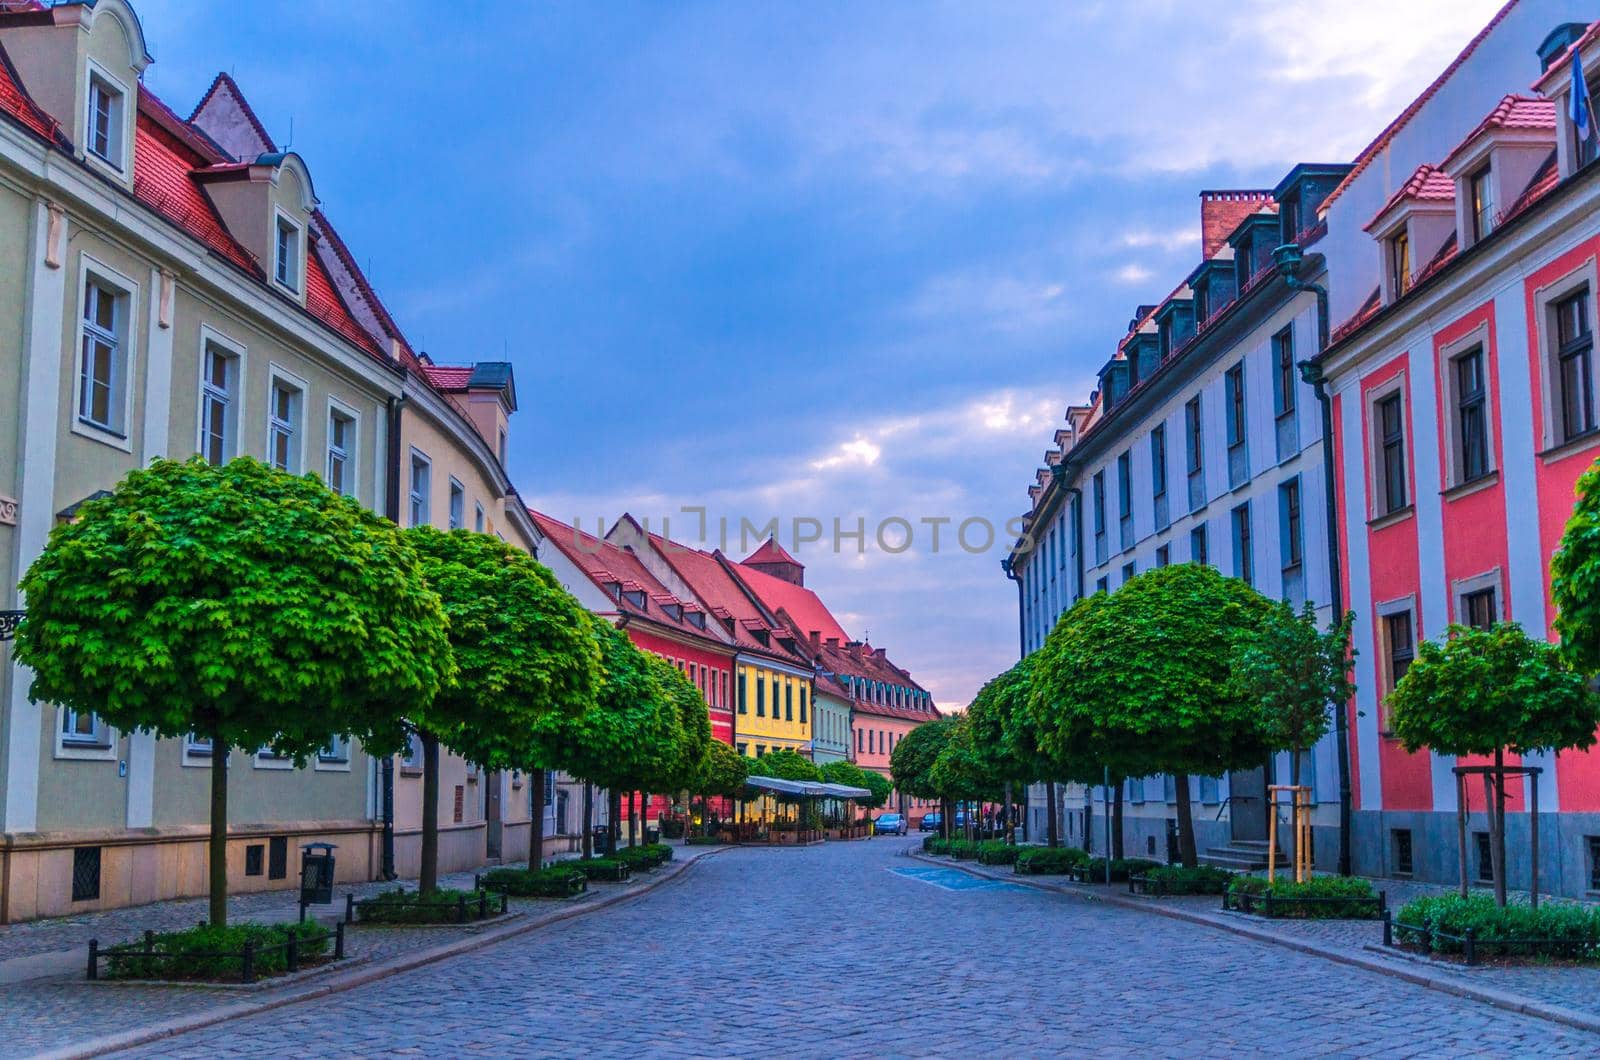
pixel 286 257
pixel 1241 262
pixel 1400 262
pixel 634 597
pixel 104 127
pixel 697 619
pixel 1481 200
pixel 1289 218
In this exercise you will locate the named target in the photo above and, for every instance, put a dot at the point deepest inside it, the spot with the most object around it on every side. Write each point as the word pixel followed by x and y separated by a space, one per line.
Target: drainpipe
pixel 391 508
pixel 1288 259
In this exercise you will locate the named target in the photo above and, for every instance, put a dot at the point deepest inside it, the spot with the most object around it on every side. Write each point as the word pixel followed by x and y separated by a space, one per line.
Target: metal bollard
pixel 350 908
pixel 461 910
pixel 248 972
pixel 338 941
pixel 483 904
pixel 291 953
pixel 94 958
pixel 1469 946
pixel 1388 929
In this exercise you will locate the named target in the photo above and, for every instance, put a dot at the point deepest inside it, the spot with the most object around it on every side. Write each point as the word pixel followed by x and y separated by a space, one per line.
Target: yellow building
pixel 774 706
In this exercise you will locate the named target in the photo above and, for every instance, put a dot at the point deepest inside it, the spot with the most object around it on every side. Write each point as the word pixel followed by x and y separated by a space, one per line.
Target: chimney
pixel 1220 214
pixel 832 642
pixel 854 648
pixel 880 652
pixel 816 640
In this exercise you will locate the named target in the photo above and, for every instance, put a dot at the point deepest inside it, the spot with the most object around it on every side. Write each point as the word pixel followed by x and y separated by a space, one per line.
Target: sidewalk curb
pixel 210 1017
pixel 1499 999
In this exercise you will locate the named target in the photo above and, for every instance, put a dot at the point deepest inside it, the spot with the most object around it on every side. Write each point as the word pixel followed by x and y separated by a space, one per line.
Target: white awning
pixel 806 788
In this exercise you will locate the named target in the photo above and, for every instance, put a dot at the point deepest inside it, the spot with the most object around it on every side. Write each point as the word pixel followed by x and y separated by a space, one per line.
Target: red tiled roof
pixel 806 612
pixel 840 660
pixel 1428 183
pixel 1373 303
pixel 726 598
pixel 1512 112
pixel 162 180
pixel 324 303
pixel 15 101
pixel 771 552
pixel 1389 132
pixel 448 376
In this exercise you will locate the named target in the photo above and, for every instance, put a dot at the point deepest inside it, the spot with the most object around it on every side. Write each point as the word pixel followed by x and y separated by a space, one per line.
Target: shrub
pixel 1336 888
pixel 1049 861
pixel 1176 879
pixel 932 844
pixel 1093 870
pixel 609 869
pixel 443 906
pixel 997 852
pixel 1563 928
pixel 560 881
pixel 704 840
pixel 647 856
pixel 964 849
pixel 672 828
pixel 193 954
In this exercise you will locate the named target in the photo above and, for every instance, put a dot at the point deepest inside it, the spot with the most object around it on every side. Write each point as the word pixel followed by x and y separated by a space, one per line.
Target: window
pixel 1197 545
pixel 283 426
pixel 1289 509
pixel 1127 573
pixel 744 749
pixel 1125 485
pixel 278 857
pixel 1593 844
pixel 477 517
pixel 761 697
pixel 1099 502
pixel 458 505
pixel 341 442
pixel 104 137
pixel 1242 263
pixel 802 704
pixel 1485 858
pixel 1283 363
pixel 1472 423
pixel 1193 440
pixel 858 742
pixel 196 746
pixel 1158 460
pixel 1289 218
pixel 1392 455
pixel 788 701
pixel 411 757
pixel 1403 865
pixel 286 254
pixel 1399 644
pixel 255 858
pixel 1103 585
pixel 85 874
pixel 1234 382
pixel 761 749
pixel 1574 354
pixel 421 473
pixel 500 446
pixel 1482 203
pixel 83 729
pixel 1243 560
pixel 1400 264
pixel 1163 556
pixel 102 372
pixel 1478 608
pixel 335 752
pixel 219 383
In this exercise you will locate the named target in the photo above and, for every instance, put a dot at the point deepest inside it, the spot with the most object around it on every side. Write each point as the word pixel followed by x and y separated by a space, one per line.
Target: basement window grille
pixel 1402 852
pixel 278 857
pixel 86 874
pixel 1485 858
pixel 254 858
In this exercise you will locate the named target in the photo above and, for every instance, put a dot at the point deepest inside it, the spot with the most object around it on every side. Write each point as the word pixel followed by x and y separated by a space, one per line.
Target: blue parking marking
pixel 956 880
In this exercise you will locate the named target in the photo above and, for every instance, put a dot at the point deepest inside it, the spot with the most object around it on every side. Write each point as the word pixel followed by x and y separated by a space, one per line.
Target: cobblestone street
pixel 850 949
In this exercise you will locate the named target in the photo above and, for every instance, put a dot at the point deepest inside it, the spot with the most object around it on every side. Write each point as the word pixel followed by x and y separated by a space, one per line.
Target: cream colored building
pixel 171 286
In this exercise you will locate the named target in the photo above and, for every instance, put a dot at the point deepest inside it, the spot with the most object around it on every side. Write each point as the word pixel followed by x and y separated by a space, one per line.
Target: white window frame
pixel 1396 384
pixel 126 292
pixel 267 758
pixel 1384 611
pixel 410 759
pixel 419 502
pixel 1544 306
pixel 1449 408
pixel 100 747
pixel 235 395
pixel 196 751
pixel 339 410
pixel 115 160
pixel 478 522
pixel 456 514
pixel 296 283
pixel 295 427
pixel 335 756
pixel 1461 588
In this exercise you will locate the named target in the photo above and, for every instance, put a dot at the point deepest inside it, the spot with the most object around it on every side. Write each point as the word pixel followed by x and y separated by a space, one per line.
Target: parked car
pixel 889 824
pixel 931 822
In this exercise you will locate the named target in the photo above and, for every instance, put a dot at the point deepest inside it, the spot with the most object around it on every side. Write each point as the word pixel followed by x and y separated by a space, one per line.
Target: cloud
pixel 1185 239
pixel 1133 273
pixel 855 451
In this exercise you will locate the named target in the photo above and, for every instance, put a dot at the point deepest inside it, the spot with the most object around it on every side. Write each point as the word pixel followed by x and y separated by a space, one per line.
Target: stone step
pixel 1240 863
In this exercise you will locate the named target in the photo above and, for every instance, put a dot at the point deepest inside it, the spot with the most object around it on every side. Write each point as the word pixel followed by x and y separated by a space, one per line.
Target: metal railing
pixel 248 957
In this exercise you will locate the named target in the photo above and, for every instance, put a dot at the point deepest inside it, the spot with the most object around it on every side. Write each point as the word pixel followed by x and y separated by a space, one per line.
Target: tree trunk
pixel 1117 850
pixel 1497 827
pixel 1294 812
pixel 536 826
pixel 588 820
pixel 1186 851
pixel 428 881
pixel 1052 828
pixel 1006 825
pixel 614 819
pixel 218 844
pixel 945 821
pixel 632 825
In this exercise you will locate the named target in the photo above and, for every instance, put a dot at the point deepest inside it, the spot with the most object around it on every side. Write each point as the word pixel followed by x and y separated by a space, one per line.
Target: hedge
pixel 1554 929
pixel 1093 870
pixel 1341 896
pixel 997 852
pixel 647 856
pixel 964 849
pixel 610 870
pixel 560 881
pixel 212 953
pixel 1179 879
pixel 1049 861
pixel 443 906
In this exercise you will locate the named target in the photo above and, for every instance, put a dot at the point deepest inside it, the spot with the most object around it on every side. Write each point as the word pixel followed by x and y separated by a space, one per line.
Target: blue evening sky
pixel 800 260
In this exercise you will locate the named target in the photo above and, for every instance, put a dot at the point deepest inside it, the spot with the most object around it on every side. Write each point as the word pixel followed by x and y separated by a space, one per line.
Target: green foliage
pixel 645 856
pixel 784 764
pixel 1140 680
pixel 911 762
pixel 690 728
pixel 196 954
pixel 725 773
pixel 609 869
pixel 1575 578
pixel 963 849
pixel 997 852
pixel 1568 929
pixel 440 906
pixel 962 771
pixel 521 642
pixel 1329 887
pixel 852 775
pixel 1049 861
pixel 932 844
pixel 239 602
pixel 1093 870
pixel 1294 671
pixel 1484 690
pixel 558 881
pixel 1180 879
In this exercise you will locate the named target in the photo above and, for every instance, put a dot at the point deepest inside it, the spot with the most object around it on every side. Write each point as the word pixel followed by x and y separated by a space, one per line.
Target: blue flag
pixel 1579 110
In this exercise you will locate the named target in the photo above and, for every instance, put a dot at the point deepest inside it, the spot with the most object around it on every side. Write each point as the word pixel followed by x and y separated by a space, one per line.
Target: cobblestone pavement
pixel 43 1014
pixel 829 951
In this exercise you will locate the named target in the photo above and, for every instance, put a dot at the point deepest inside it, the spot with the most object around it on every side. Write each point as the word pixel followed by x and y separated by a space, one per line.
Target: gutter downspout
pixel 391 508
pixel 1288 259
pixel 1022 642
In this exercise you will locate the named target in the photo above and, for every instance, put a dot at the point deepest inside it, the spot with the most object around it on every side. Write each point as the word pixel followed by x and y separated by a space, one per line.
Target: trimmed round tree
pixel 245 605
pixel 911 763
pixel 852 775
pixel 725 773
pixel 1140 681
pixel 692 738
pixel 1575 577
pixel 1296 670
pixel 522 649
pixel 963 773
pixel 1486 692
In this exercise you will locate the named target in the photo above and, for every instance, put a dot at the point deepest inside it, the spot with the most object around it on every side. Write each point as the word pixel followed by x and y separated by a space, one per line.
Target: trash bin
pixel 316 875
pixel 600 838
pixel 652 835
